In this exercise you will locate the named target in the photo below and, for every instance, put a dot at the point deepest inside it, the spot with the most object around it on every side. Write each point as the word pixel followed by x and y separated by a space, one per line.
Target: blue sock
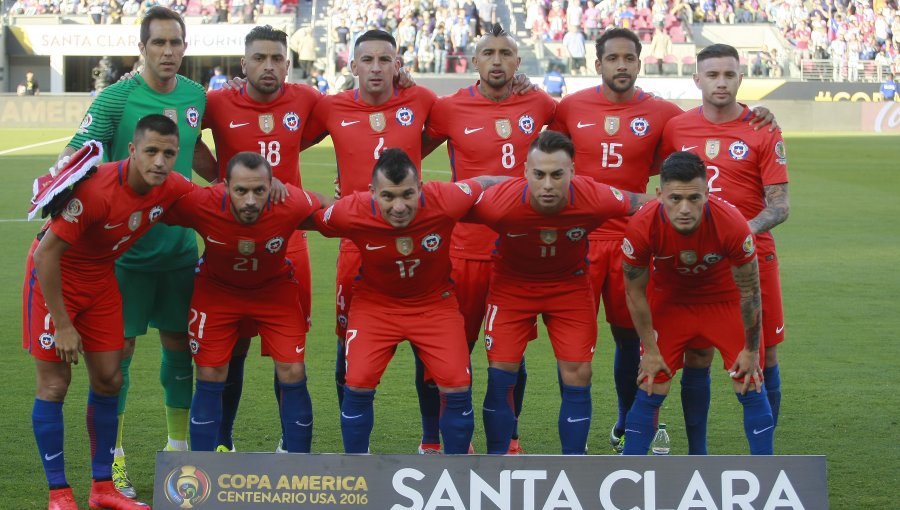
pixel 357 420
pixel 429 404
pixel 276 387
pixel 206 413
pixel 102 425
pixel 49 432
pixel 497 413
pixel 519 396
pixel 625 372
pixel 457 421
pixel 695 397
pixel 640 424
pixel 231 400
pixel 772 378
pixel 574 419
pixel 296 417
pixel 758 422
pixel 340 371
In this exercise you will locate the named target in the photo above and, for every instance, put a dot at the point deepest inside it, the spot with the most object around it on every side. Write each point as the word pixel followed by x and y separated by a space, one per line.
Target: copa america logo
pixel 187 486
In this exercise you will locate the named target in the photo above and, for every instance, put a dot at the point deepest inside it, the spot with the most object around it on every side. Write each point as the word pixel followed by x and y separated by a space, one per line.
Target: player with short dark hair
pixel 72 306
pixel 705 288
pixel 748 168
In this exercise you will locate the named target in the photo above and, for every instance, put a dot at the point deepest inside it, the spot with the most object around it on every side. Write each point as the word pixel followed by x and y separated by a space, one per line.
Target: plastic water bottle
pixel 660 445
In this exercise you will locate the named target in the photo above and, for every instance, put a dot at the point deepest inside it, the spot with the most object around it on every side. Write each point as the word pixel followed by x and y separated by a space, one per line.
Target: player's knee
pixel 698 358
pixel 128 348
pixel 453 389
pixel 290 373
pixel 107 383
pixel 575 373
pixel 212 374
pixel 771 356
pixel 174 340
pixel 53 388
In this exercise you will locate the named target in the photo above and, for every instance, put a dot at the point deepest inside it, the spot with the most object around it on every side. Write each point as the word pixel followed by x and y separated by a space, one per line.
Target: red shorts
pixel 348 265
pixel 605 268
pixel 683 326
pixel 566 307
pixel 95 310
pixel 772 308
pixel 436 333
pixel 470 279
pixel 218 312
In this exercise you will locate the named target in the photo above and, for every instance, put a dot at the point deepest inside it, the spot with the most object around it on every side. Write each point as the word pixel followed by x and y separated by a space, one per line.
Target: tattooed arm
pixel 636 200
pixel 652 363
pixel 487 181
pixel 778 207
pixel 746 277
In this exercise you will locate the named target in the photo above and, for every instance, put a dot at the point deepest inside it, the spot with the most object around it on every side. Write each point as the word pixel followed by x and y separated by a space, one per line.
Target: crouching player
pixel 705 288
pixel 72 305
pixel 243 275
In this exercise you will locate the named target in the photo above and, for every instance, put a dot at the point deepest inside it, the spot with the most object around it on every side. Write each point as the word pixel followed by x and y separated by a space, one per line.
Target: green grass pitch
pixel 838 255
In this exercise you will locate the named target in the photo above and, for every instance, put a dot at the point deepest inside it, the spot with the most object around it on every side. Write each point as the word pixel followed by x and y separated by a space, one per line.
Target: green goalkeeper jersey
pixel 111 119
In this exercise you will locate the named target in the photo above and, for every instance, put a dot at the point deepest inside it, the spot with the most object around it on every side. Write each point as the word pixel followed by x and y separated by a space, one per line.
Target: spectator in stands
pixel 345 81
pixel 487 14
pixel 660 46
pixel 459 35
pixel 624 17
pixel 590 21
pixel 471 13
pixel 115 12
pixel 409 58
pixel 556 21
pixel 573 14
pixel 305 45
pixel 889 89
pixel 683 11
pixel 575 49
pixel 340 36
pixel 759 66
pixel 95 9
pixel 425 53
pixel 440 41
pixel 29 87
pixel 319 81
pixel 554 83
pixel 271 7
pixel 218 79
pixel 180 6
pixel 775 65
pixel 895 32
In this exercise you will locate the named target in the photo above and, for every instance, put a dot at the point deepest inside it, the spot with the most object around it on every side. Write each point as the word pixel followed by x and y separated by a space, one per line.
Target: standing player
pixel 362 124
pixel 539 269
pixel 243 277
pixel 404 291
pixel 749 169
pixel 71 303
pixel 266 115
pixel 156 276
pixel 489 130
pixel 705 287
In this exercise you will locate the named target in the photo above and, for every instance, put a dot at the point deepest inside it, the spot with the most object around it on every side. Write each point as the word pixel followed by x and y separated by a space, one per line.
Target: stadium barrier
pixel 213 481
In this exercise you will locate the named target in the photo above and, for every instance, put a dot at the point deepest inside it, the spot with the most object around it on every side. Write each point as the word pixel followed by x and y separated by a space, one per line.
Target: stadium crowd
pixel 111 12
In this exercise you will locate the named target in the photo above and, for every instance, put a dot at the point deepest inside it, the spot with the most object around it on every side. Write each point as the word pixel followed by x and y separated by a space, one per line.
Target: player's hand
pixel 652 363
pixel 129 75
pixel 521 84
pixel 279 191
pixel 762 117
pixel 337 188
pixel 746 367
pixel 234 84
pixel 404 79
pixel 68 344
pixel 63 161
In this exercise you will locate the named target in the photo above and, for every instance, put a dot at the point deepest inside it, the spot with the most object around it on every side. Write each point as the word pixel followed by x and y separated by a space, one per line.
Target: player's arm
pixel 652 363
pixel 778 207
pixel 486 181
pixel 636 200
pixel 746 277
pixel 204 162
pixel 47 259
pixel 763 117
pixel 429 143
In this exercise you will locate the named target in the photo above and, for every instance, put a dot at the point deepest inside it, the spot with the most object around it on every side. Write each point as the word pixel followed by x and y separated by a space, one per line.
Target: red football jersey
pixel 238 255
pixel 532 246
pixel 487 138
pixel 360 131
pixel 409 267
pixel 104 217
pixel 274 130
pixel 615 143
pixel 693 268
pixel 740 162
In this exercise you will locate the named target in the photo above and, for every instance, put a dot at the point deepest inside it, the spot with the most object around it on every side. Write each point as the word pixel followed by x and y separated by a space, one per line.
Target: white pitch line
pixel 24 147
pixel 14 220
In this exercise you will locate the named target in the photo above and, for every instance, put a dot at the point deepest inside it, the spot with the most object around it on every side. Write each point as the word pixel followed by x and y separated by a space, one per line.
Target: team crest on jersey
pixel 73 210
pixel 155 213
pixel 488 342
pixel 172 114
pixel 192 115
pixel 246 246
pixel 377 121
pixel 431 243
pixel 503 127
pixel 611 124
pixel 266 122
pixel 748 246
pixel 404 116
pixel 548 235
pixel 738 150
pixel 291 121
pixel 464 187
pixel 640 126
pixel 712 258
pixel 134 221
pixel 780 154
pixel 86 123
pixel 712 148
pixel 47 341
pixel 688 257
pixel 576 234
pixel 627 248
pixel 274 244
pixel 195 346
pixel 404 245
pixel 526 124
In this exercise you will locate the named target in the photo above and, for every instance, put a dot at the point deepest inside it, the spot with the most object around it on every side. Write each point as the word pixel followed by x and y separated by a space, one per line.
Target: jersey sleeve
pixel 636 247
pixel 438 126
pixel 317 126
pixel 607 201
pixel 85 208
pixel 670 111
pixel 738 241
pixel 309 204
pixel 549 106
pixel 212 106
pixel 773 159
pixel 457 198
pixel 104 115
pixel 560 116
pixel 185 211
pixel 335 220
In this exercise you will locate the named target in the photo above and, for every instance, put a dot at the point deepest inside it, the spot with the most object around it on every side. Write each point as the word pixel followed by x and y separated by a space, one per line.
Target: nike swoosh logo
pixel 580 125
pixel 195 422
pixel 683 148
pixel 373 248
pixel 51 457
pixel 110 227
pixel 299 349
pixel 344 123
pixel 467 413
pixel 758 432
pixel 508 234
pixel 304 424
pixel 210 239
pixel 350 417
pixel 182 377
pixel 632 431
pixel 112 451
pixel 664 258
pixel 779 330
pixel 470 131
pixel 232 125
pixel 576 420
pixel 488 410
